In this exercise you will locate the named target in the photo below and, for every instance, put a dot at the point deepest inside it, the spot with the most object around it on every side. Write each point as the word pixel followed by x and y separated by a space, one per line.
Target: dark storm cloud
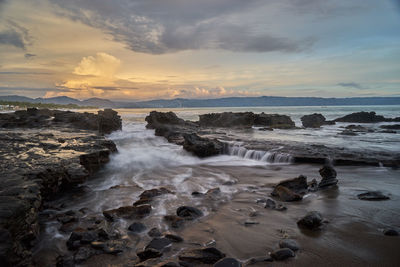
pixel 352 85
pixel 157 27
pixel 15 35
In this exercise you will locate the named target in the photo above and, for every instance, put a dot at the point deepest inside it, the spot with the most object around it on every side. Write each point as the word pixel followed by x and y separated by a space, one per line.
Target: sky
pixel 153 49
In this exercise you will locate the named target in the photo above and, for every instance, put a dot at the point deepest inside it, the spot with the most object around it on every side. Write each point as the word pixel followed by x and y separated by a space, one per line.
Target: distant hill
pixel 218 102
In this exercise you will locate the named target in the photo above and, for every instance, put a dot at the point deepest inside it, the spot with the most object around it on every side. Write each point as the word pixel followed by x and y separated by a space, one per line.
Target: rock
pixel 315 120
pixel 273 121
pixel 390 232
pixel 373 196
pixel 297 185
pixel 289 243
pixel 312 220
pixel 154 193
pixel 83 254
pixel 391 127
pixel 265 129
pixel 155 119
pixel 258 260
pixel 358 128
pixel 108 121
pixel 249 222
pixel 6 246
pixel 137 227
pixel 189 213
pixel 287 195
pixel 174 238
pixel 159 243
pixel 199 256
pixel 227 120
pixel 273 205
pixel 197 194
pixel 154 232
pixel 149 254
pixel 128 212
pixel 282 254
pixel 363 117
pixel 328 174
pixel 228 262
pixel 65 261
pixel 202 147
pixel 348 132
pixel 174 221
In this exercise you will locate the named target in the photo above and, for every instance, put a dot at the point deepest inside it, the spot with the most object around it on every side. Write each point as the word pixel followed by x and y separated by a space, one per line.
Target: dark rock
pixel 227 119
pixel 273 121
pixel 149 254
pixel 137 227
pixel 348 132
pixel 198 256
pixel 108 121
pixel 373 196
pixel 128 212
pixel 83 254
pixel 174 221
pixel 289 243
pixel 189 213
pixel 154 232
pixel 197 194
pixel 391 127
pixel 159 243
pixel 297 185
pixel 315 120
pixel 271 204
pixel 228 262
pixel 312 220
pixel 363 117
pixel 390 232
pixel 155 119
pixel 265 129
pixel 174 238
pixel 258 260
pixel 6 246
pixel 358 128
pixel 202 147
pixel 282 254
pixel 285 194
pixel 328 174
pixel 148 194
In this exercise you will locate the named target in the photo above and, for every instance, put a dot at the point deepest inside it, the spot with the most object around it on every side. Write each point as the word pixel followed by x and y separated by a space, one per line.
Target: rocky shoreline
pixel 42 153
pixel 207 136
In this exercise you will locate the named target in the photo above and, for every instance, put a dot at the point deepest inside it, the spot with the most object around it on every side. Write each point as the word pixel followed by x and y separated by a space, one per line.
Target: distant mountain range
pixel 218 102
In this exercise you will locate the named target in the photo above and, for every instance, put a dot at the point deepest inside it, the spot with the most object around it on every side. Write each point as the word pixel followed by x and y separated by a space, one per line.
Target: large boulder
pixel 156 119
pixel 202 147
pixel 315 120
pixel 273 121
pixel 108 121
pixel 227 119
pixel 363 117
pixel 297 185
pixel 328 175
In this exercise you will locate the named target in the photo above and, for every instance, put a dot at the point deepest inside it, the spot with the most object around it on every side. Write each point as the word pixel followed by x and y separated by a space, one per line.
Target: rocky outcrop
pixel 202 147
pixel 40 157
pixel 228 120
pixel 273 121
pixel 315 120
pixel 108 121
pixel 365 117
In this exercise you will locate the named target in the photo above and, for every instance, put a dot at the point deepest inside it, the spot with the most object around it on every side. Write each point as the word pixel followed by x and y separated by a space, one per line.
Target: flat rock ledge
pixel 42 153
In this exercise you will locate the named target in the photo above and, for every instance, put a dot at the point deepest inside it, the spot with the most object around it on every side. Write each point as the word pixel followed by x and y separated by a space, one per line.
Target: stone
pixel 201 256
pixel 390 127
pixel 287 195
pixel 108 121
pixel 297 185
pixel 148 194
pixel 228 262
pixel 227 120
pixel 390 232
pixel 363 117
pixel 159 243
pixel 154 232
pixel 202 147
pixel 312 220
pixel 328 174
pixel 174 238
pixel 282 254
pixel 373 196
pixel 315 120
pixel 149 254
pixel 189 213
pixel 83 254
pixel 128 212
pixel 273 121
pixel 174 221
pixel 289 243
pixel 156 118
pixel 137 227
pixel 271 204
pixel 256 260
pixel 348 132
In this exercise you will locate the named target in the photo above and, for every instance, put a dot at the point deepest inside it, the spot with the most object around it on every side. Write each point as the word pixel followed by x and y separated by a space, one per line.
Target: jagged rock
pixel 348 132
pixel 174 238
pixel 202 147
pixel 227 119
pixel 358 128
pixel 273 121
pixel 328 175
pixel 289 243
pixel 83 254
pixel 297 185
pixel 199 256
pixel 364 117
pixel 282 254
pixel 315 120
pixel 108 121
pixel 228 262
pixel 285 194
pixel 137 227
pixel 391 127
pixel 155 119
pixel 149 254
pixel 271 204
pixel 256 260
pixel 154 192
pixel 189 213
pixel 128 212
pixel 154 232
pixel 159 243
pixel 312 220
pixel 373 196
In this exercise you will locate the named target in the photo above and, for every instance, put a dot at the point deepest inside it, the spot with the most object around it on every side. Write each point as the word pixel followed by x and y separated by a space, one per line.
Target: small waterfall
pixel 236 149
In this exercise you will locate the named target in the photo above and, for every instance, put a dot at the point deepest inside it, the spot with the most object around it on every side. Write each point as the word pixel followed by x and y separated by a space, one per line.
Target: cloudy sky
pixel 136 49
